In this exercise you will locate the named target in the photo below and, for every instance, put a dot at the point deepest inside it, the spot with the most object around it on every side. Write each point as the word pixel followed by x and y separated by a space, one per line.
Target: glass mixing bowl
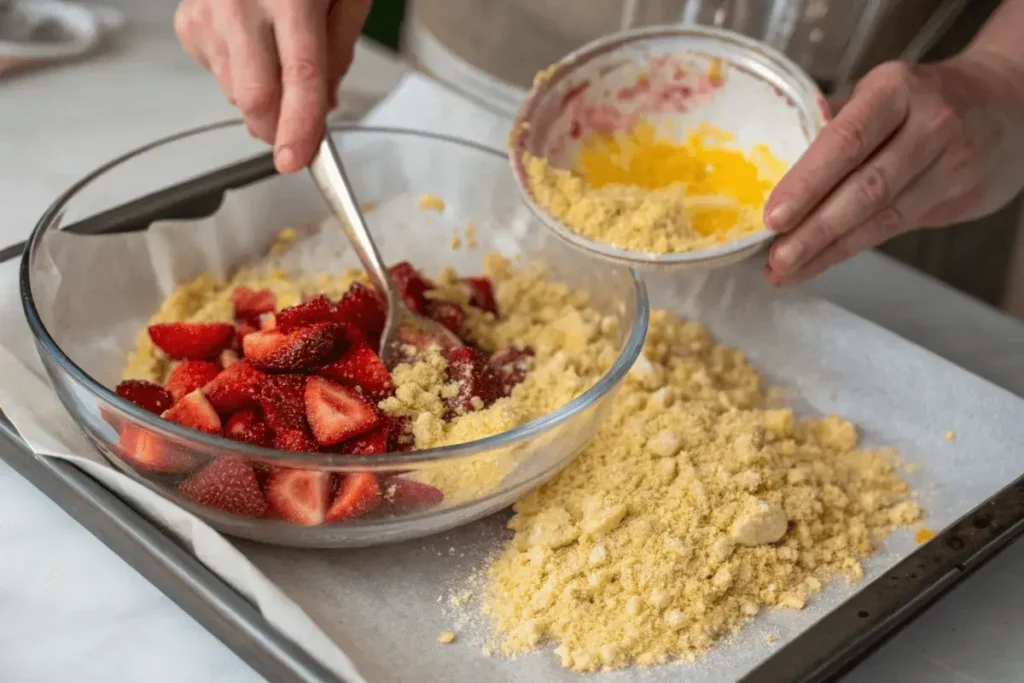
pixel 84 353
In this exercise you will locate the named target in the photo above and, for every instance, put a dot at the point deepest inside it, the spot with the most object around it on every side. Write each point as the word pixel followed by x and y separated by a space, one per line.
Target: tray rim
pixel 824 652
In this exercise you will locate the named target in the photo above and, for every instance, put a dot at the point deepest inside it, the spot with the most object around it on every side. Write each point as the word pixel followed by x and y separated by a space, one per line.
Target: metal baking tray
pixel 833 646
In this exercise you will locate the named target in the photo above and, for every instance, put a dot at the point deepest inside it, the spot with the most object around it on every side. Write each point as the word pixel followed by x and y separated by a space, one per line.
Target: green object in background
pixel 384 23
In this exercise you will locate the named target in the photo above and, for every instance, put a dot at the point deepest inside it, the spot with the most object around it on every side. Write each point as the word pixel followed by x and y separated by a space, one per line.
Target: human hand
pixel 915 147
pixel 279 61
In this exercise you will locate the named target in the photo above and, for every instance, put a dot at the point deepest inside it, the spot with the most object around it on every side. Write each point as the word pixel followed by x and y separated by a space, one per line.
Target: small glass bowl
pixel 387 167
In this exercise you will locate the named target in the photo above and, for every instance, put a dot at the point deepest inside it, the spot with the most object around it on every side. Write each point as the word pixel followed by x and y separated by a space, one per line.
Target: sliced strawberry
pixel 300 349
pixel 235 388
pixel 316 310
pixel 336 413
pixel 283 399
pixel 371 443
pixel 358 495
pixel 146 395
pixel 228 483
pixel 300 496
pixel 152 453
pixel 448 313
pixel 403 496
pixel 295 440
pixel 251 303
pixel 512 364
pixel 365 308
pixel 228 357
pixel 410 284
pixel 481 294
pixel 267 322
pixel 400 438
pixel 192 341
pixel 195 411
pixel 250 427
pixel 360 368
pixel 190 375
pixel 476 379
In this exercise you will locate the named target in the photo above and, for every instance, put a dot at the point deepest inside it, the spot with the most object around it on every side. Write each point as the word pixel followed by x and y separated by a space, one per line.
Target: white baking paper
pixel 375 614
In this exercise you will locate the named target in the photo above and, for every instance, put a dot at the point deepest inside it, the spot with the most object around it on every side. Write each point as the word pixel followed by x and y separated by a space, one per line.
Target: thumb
pixel 345 21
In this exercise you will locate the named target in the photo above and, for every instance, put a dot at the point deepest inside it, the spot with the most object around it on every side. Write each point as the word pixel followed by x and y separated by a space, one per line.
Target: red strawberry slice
pixel 372 443
pixel 152 453
pixel 512 364
pixel 147 395
pixel 295 440
pixel 228 483
pixel 192 341
pixel 410 284
pixel 251 303
pixel 404 496
pixel 235 388
pixel 476 379
pixel 300 496
pixel 365 308
pixel 248 426
pixel 400 438
pixel 196 412
pixel 360 368
pixel 190 375
pixel 315 310
pixel 283 399
pixel 358 495
pixel 336 413
pixel 481 294
pixel 300 349
pixel 448 313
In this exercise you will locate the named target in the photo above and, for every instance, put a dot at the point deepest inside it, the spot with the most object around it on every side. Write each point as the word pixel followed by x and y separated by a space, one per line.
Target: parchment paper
pixel 375 614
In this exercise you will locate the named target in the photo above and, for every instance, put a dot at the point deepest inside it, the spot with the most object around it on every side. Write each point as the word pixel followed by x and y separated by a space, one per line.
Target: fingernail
pixel 284 158
pixel 788 255
pixel 778 217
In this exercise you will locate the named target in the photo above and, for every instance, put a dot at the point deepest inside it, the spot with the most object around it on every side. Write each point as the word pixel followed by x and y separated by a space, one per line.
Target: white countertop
pixel 71 609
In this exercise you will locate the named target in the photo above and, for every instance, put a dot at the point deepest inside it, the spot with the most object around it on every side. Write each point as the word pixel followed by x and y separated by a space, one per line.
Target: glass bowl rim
pixel 788 77
pixel 630 351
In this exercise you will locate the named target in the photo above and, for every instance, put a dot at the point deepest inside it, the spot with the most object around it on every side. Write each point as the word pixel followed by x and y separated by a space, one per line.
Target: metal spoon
pixel 403 327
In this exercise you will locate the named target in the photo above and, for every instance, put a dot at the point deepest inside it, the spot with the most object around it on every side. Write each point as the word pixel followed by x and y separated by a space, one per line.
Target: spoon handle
pixel 329 176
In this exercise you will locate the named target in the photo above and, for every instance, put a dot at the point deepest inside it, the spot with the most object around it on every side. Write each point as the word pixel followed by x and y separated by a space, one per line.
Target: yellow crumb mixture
pixel 645 192
pixel 693 509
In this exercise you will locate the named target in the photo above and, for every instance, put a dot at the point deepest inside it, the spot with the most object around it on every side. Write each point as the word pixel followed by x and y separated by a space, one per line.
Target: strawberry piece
pixel 476 379
pixel 481 294
pixel 248 426
pixel 336 413
pixel 283 399
pixel 372 443
pixel 151 453
pixel 400 438
pixel 196 412
pixel 235 388
pixel 300 349
pixel 360 368
pixel 365 308
pixel 250 303
pixel 228 357
pixel 267 322
pixel 295 440
pixel 228 483
pixel 189 376
pixel 192 341
pixel 300 496
pixel 315 310
pixel 404 496
pixel 512 364
pixel 448 313
pixel 358 495
pixel 146 395
pixel 410 284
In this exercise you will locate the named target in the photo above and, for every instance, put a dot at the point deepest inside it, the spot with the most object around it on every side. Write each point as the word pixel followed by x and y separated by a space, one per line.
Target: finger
pixel 216 52
pixel 877 109
pixel 345 23
pixel 188 27
pixel 252 62
pixel 869 189
pixel 301 32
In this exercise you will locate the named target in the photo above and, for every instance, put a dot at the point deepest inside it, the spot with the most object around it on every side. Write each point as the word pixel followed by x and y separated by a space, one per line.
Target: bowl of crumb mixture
pixel 658 147
pixel 252 394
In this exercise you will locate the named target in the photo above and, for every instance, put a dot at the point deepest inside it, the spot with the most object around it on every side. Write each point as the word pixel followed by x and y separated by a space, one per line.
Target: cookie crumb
pixel 446 638
pixel 471 235
pixel 431 202
pixel 950 436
